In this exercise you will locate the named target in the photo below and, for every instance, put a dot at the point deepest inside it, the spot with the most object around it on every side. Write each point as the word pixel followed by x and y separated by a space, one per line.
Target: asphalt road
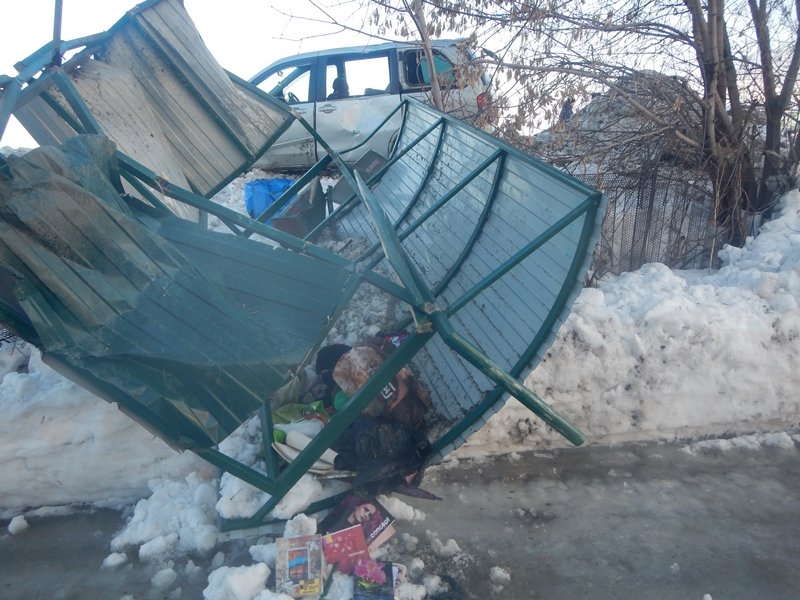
pixel 640 522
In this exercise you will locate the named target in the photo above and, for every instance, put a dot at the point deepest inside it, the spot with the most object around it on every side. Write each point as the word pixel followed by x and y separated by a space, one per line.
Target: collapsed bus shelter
pixel 107 266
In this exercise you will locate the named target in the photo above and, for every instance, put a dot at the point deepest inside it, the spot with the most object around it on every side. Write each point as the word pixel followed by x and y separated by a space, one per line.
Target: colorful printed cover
pixel 298 566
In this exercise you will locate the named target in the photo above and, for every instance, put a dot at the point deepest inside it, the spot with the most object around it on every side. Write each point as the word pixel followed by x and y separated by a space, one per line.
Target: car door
pixel 461 84
pixel 345 121
pixel 293 83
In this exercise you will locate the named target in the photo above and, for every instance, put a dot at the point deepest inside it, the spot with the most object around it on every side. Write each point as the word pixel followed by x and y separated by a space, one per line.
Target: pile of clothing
pixel 387 445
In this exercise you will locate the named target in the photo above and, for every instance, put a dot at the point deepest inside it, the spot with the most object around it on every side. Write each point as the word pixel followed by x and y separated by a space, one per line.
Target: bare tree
pixel 735 65
pixel 417 13
pixel 393 16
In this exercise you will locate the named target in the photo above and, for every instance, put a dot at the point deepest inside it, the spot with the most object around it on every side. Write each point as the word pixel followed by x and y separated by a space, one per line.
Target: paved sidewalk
pixel 638 522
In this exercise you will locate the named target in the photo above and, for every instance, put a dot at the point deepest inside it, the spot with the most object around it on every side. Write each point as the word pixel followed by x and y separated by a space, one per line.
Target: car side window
pixel 416 70
pixel 347 78
pixel 291 84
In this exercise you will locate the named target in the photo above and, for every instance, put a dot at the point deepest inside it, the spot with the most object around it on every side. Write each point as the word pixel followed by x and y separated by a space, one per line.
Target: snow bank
pixel 660 354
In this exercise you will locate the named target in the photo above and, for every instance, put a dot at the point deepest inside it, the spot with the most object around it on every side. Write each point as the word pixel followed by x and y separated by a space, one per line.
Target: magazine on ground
pixel 298 566
pixel 344 547
pixel 377 580
pixel 375 520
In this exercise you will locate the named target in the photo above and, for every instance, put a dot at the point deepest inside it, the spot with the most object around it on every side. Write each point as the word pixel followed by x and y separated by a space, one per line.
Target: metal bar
pixel 48 99
pixel 77 104
pixel 496 373
pixel 523 253
pixel 402 127
pixel 392 248
pixel 268 144
pixel 56 58
pixel 441 202
pixel 415 198
pixel 33 88
pixel 294 189
pixel 142 206
pixel 374 131
pixel 234 229
pixel 31 65
pixel 476 233
pixel 427 177
pixel 148 195
pixel 352 200
pixel 39 60
pixel 270 458
pixel 492 397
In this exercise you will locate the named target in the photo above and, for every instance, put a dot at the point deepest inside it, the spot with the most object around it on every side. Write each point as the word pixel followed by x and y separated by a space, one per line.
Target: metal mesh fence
pixel 658 214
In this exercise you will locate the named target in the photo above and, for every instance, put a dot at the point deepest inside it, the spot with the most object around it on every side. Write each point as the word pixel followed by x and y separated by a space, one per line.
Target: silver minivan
pixel 345 93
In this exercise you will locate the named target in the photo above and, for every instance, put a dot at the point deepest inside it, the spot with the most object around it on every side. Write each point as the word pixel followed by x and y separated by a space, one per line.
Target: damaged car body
pixel 108 267
pixel 344 92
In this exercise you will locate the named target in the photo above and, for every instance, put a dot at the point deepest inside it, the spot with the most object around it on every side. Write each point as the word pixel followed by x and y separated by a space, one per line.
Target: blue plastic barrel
pixel 259 194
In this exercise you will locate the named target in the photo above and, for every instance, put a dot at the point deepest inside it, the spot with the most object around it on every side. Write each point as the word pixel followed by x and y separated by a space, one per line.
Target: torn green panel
pixel 187 328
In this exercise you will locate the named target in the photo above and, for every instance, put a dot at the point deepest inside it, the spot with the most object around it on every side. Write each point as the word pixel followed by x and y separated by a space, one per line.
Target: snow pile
pixel 177 518
pixel 17 525
pixel 59 443
pixel 240 583
pixel 499 578
pixel 660 354
pixel 779 439
pixel 9 151
pixel 238 499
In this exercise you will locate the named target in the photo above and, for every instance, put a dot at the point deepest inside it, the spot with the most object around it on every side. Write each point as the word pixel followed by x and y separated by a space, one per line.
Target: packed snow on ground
pixel 654 354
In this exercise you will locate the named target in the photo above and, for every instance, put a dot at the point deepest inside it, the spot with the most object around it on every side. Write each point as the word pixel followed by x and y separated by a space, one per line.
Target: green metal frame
pixel 429 319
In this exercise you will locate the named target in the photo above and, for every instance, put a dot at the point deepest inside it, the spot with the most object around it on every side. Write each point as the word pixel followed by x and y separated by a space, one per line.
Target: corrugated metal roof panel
pixel 155 89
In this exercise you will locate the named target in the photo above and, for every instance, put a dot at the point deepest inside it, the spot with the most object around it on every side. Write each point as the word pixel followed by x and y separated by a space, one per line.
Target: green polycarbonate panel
pixel 501 240
pixel 187 329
